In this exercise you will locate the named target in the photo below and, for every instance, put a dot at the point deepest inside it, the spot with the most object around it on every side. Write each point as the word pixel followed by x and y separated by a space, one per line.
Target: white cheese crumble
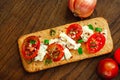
pixel 63 58
pixel 67 53
pixel 41 53
pixel 65 40
pixel 57 40
pixel 71 44
pixel 86 33
pixel 53 40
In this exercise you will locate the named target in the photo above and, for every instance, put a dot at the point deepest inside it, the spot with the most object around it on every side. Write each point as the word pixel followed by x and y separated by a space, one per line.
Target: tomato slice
pixel 74 31
pixel 95 42
pixel 55 51
pixel 30 47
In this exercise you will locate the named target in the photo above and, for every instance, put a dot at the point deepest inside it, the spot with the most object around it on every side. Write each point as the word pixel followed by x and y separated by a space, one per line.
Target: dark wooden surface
pixel 19 17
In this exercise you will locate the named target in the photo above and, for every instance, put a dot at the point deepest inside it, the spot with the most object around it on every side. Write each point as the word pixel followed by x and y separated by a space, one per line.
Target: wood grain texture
pixel 18 17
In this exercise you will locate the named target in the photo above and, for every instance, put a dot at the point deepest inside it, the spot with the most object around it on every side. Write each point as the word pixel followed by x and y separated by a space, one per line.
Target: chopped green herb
pixel 98 29
pixel 32 41
pixel 80 41
pixel 52 32
pixel 90 27
pixel 46 41
pixel 48 61
pixel 80 50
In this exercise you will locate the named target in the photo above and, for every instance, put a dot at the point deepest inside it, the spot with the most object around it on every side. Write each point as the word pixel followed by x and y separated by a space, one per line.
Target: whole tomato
pixel 117 56
pixel 107 68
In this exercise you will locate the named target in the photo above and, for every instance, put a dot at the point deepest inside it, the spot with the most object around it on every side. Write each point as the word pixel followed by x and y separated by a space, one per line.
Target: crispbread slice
pixel 44 34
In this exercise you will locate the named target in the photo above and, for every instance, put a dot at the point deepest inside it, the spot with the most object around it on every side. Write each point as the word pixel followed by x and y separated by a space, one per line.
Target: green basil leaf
pixel 90 27
pixel 98 29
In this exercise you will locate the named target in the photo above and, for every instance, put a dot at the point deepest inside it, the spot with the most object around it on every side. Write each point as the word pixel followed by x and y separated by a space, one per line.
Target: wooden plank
pixel 18 17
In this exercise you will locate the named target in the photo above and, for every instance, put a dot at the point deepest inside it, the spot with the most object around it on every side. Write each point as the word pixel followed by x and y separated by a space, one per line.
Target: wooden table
pixel 19 17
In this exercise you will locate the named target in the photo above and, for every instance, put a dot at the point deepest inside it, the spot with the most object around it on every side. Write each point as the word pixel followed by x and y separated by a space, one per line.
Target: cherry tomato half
pixel 55 51
pixel 117 56
pixel 30 47
pixel 74 31
pixel 107 68
pixel 95 42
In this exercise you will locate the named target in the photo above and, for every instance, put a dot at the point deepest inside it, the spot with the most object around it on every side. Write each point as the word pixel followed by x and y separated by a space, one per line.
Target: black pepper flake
pixel 95 23
pixel 39 36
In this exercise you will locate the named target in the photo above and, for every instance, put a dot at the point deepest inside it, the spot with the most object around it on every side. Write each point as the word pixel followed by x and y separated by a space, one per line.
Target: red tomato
pixel 107 68
pixel 95 42
pixel 30 47
pixel 55 51
pixel 117 56
pixel 74 31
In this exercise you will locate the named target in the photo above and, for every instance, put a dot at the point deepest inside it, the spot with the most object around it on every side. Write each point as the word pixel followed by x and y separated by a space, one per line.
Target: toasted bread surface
pixel 44 34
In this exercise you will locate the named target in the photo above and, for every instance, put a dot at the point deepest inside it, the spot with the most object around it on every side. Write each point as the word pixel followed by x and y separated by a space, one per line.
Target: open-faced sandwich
pixel 64 44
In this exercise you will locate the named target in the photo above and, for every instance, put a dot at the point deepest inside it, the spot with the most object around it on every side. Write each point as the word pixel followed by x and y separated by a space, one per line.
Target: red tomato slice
pixel 74 31
pixel 55 51
pixel 95 42
pixel 30 47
